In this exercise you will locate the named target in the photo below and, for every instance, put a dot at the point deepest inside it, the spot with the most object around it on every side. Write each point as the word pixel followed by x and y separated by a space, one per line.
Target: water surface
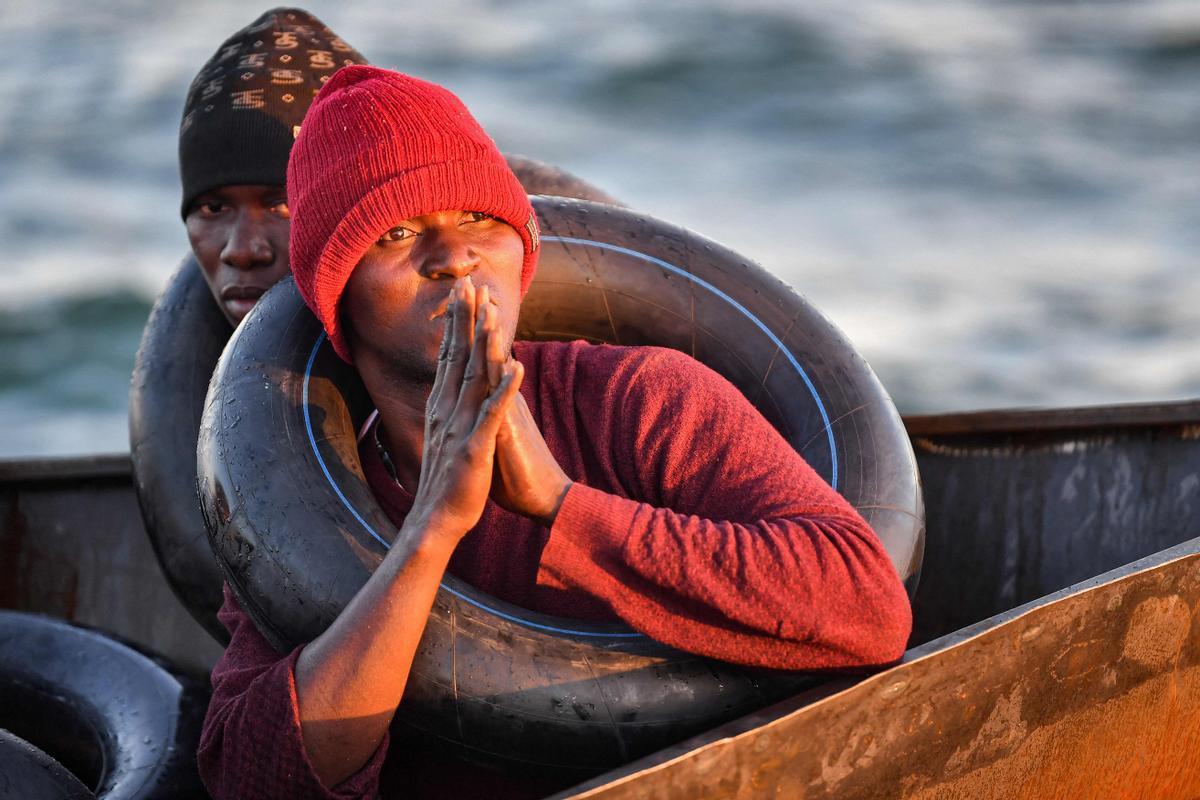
pixel 998 202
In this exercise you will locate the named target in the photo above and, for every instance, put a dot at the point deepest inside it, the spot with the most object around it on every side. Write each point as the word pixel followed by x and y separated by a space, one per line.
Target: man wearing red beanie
pixel 595 482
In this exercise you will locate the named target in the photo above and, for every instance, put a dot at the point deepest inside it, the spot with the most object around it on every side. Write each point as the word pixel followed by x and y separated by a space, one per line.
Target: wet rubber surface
pixel 124 722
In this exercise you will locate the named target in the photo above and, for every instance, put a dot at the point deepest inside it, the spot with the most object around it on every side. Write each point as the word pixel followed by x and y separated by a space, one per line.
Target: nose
pixel 248 245
pixel 449 254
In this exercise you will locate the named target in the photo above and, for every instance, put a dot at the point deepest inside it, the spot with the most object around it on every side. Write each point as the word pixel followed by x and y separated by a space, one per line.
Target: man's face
pixel 393 304
pixel 240 237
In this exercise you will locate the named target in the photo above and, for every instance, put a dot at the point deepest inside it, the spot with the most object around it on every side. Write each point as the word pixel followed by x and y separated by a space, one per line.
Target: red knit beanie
pixel 379 147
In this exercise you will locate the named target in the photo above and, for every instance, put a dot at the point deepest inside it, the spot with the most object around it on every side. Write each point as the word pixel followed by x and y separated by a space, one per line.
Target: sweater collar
pixel 393 498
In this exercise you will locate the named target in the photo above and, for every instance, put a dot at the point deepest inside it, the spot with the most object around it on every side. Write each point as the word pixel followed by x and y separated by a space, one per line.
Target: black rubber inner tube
pixel 180 346
pixel 297 529
pixel 538 177
pixel 28 773
pixel 119 720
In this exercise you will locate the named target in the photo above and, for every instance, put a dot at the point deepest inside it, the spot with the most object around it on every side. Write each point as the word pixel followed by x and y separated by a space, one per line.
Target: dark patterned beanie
pixel 245 107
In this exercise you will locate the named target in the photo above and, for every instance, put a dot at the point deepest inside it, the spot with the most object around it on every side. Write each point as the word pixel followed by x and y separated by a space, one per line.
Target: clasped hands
pixel 480 437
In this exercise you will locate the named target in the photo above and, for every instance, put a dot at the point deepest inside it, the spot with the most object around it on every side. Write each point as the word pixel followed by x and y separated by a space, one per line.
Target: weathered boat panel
pixel 1020 504
pixel 72 546
pixel 1090 693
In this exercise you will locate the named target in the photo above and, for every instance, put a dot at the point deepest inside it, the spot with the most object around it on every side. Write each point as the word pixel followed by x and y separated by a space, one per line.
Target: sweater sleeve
pixel 722 541
pixel 251 745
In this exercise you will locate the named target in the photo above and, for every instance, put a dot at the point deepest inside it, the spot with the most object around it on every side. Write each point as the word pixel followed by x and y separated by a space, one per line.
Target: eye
pixel 478 216
pixel 396 234
pixel 209 208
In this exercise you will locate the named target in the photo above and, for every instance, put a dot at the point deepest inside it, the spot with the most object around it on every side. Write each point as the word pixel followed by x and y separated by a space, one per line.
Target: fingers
pixel 491 414
pixel 475 378
pixel 496 357
pixel 473 365
pixel 451 369
pixel 439 381
pixel 447 327
pixel 464 322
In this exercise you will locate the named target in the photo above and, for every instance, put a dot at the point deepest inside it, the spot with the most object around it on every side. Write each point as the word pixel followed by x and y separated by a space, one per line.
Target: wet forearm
pixel 350 679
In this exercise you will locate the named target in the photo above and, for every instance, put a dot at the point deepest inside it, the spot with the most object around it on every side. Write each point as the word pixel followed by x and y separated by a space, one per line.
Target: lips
pixel 239 299
pixel 239 292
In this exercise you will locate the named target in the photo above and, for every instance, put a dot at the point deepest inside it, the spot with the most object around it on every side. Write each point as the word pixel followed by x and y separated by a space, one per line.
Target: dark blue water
pixel 998 202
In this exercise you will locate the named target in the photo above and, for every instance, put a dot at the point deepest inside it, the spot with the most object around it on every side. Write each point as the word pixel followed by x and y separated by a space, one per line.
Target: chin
pixel 409 367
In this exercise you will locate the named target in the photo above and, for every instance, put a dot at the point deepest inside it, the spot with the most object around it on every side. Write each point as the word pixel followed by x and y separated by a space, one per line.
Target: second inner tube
pixel 28 773
pixel 119 720
pixel 298 530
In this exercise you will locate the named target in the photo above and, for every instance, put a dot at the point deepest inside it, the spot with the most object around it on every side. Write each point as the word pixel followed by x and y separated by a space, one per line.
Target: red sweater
pixel 691 519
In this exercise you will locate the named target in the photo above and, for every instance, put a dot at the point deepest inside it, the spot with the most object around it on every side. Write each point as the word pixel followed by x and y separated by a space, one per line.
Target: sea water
pixel 998 202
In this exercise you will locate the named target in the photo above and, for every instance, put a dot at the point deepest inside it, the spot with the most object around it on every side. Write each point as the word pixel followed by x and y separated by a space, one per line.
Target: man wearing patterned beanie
pixel 240 118
pixel 626 483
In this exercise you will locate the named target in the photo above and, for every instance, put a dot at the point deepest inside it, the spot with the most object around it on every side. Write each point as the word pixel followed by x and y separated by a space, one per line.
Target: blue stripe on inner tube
pixel 312 440
pixel 833 469
pixel 312 357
